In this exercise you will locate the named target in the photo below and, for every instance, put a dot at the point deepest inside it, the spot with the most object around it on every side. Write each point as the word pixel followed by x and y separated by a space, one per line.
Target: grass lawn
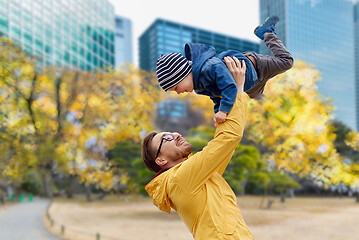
pixel 137 218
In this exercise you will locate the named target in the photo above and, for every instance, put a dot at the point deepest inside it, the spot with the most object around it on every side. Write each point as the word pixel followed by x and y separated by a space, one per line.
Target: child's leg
pixel 270 66
pixel 281 61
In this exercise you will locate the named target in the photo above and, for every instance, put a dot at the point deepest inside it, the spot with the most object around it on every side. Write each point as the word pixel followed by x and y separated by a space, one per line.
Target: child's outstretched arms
pixel 238 72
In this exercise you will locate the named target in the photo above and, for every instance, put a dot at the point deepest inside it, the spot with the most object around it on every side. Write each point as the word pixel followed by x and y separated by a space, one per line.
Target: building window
pixel 15 31
pixel 66 43
pixel 38 43
pixel 107 46
pixel 119 23
pixel 38 54
pixel 82 65
pixel 74 47
pixel 48 32
pixel 37 26
pixel 88 57
pixel 58 39
pixel 94 36
pixel 101 52
pixel 82 52
pixel 3 6
pixel 95 61
pixel 89 44
pixel 15 14
pixel 94 49
pixel 4 24
pixel 27 18
pixel 48 49
pixel 58 55
pixel 28 49
pixel 74 61
pixel 66 28
pixel 100 40
pixel 27 37
pixel 81 38
pixel 67 58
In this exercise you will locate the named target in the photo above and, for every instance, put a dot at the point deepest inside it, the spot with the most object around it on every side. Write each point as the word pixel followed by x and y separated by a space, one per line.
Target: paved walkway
pixel 24 221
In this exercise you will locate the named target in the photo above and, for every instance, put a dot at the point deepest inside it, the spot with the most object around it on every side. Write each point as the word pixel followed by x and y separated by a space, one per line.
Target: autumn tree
pixel 65 120
pixel 352 139
pixel 291 126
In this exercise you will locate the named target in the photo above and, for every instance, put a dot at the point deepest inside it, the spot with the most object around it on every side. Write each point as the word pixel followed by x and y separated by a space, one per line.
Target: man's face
pixel 186 85
pixel 174 151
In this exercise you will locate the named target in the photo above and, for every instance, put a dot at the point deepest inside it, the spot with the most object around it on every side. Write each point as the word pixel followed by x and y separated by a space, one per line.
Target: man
pixel 193 185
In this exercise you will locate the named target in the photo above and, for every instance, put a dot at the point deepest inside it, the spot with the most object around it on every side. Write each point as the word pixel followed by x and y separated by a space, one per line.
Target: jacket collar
pixel 160 172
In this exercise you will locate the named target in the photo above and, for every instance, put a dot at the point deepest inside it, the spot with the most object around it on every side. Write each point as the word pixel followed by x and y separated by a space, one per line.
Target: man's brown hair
pixel 148 155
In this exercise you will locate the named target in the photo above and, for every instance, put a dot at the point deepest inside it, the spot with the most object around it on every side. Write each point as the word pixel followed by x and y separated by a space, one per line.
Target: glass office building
pixel 356 39
pixel 321 33
pixel 75 34
pixel 165 36
pixel 123 41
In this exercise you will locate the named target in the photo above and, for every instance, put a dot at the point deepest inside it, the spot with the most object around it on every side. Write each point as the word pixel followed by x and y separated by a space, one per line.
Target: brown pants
pixel 269 66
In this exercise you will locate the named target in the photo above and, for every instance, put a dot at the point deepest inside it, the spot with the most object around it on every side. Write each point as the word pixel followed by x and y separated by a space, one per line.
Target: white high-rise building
pixel 123 41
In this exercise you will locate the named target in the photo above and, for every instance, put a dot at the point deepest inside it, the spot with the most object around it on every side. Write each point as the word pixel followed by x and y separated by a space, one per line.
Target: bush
pixel 32 183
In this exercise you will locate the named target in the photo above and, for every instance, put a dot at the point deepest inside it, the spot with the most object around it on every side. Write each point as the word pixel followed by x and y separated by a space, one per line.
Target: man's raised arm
pixel 216 155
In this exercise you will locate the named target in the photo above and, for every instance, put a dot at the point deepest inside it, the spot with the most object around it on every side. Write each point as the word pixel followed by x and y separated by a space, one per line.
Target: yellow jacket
pixel 196 190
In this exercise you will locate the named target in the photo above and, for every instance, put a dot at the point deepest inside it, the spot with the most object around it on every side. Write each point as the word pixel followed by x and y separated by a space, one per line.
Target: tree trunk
pixel 270 203
pixel 9 190
pixel 47 185
pixel 291 193
pixel 263 198
pixel 357 197
pixel 88 193
pixel 102 195
pixel 69 192
pixel 243 185
pixel 70 188
pixel 282 197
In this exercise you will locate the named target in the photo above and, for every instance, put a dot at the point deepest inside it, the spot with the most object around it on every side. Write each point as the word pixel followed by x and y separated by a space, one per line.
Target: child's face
pixel 186 85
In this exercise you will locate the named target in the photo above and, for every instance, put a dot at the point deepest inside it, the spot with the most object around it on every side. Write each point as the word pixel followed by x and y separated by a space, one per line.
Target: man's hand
pixel 219 117
pixel 237 70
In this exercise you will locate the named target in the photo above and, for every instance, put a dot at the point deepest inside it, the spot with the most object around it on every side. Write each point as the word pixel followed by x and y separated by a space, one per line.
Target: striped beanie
pixel 171 69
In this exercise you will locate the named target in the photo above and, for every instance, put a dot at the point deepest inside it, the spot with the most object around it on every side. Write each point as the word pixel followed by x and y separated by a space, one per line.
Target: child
pixel 206 73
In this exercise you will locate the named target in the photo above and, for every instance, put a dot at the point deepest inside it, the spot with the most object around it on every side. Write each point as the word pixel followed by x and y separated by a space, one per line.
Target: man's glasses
pixel 168 137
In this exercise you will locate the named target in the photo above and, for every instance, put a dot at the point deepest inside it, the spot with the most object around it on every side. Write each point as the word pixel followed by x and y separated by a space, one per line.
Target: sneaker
pixel 267 26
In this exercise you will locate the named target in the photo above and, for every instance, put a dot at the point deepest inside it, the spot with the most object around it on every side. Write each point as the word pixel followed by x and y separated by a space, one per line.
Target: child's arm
pixel 221 116
pixel 221 76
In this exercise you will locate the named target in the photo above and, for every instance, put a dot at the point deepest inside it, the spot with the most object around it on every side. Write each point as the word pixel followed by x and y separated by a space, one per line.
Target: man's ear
pixel 161 162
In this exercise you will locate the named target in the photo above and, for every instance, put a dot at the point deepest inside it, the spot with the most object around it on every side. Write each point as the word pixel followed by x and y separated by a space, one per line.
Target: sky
pixel 236 18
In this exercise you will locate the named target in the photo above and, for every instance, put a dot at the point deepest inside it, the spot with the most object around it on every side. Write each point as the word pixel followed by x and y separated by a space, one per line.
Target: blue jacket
pixel 211 76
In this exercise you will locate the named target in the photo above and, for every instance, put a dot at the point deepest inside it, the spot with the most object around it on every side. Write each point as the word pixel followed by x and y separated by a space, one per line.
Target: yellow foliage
pixel 292 120
pixel 352 139
pixel 69 116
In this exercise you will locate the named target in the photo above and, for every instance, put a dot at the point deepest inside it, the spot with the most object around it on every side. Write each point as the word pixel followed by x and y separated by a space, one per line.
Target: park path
pixel 24 221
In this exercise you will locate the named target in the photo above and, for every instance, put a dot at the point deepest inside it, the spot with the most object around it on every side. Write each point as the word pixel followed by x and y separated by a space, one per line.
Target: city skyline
pixel 202 14
pixel 165 36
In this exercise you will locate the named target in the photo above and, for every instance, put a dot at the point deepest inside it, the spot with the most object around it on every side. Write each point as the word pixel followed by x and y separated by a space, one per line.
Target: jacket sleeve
pixel 196 170
pixel 217 102
pixel 225 82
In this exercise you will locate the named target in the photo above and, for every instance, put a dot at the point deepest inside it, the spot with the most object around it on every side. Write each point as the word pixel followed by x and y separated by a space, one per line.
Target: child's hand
pixel 219 117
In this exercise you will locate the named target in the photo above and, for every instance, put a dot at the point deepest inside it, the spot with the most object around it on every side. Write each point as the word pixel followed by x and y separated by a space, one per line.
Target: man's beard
pixel 185 151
